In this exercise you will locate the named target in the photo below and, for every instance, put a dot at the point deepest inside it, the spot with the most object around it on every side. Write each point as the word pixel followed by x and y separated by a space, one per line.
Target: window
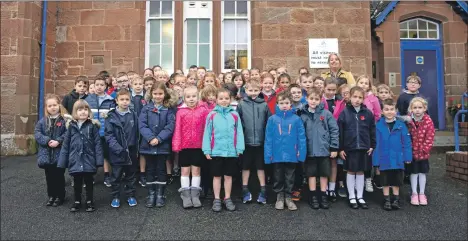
pixel 159 34
pixel 235 35
pixel 198 33
pixel 419 29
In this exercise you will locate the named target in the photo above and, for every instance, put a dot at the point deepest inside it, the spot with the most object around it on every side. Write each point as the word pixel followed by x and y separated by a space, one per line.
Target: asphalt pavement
pixel 24 215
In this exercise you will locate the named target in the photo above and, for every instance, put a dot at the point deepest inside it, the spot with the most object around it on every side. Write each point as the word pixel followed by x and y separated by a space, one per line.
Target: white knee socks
pixel 422 182
pixel 184 181
pixel 359 185
pixel 196 181
pixel 414 183
pixel 331 186
pixel 351 182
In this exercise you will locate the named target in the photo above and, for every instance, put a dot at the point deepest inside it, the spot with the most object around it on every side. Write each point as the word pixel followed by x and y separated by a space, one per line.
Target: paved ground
pixel 24 216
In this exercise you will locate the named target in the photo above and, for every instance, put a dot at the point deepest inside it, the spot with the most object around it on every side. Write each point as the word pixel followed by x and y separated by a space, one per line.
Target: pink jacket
pixel 189 127
pixel 340 105
pixel 209 106
pixel 372 103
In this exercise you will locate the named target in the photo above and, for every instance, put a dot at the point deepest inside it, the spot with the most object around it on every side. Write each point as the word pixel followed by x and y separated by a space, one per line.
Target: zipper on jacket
pixel 357 130
pixel 253 113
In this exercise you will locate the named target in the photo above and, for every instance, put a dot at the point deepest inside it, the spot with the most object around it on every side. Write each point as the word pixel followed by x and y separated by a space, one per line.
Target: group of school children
pixel 312 131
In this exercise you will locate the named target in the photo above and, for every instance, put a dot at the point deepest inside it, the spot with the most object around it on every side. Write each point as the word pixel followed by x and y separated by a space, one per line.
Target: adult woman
pixel 335 63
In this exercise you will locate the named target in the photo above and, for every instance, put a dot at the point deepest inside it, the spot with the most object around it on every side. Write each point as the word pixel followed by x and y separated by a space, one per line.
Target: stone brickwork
pixel 457 166
pixel 280 33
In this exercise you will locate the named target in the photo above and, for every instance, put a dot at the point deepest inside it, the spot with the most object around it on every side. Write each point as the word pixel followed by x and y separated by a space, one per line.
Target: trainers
pixel 229 204
pixel 57 202
pixel 369 187
pixel 279 201
pixel 332 196
pixel 132 202
pixel 415 200
pixel 75 207
pixel 296 195
pixel 107 181
pixel 342 192
pixel 115 203
pixel 50 201
pixel 246 196
pixel 290 204
pixel 422 200
pixel 262 198
pixel 90 206
pixel 142 181
pixel 217 207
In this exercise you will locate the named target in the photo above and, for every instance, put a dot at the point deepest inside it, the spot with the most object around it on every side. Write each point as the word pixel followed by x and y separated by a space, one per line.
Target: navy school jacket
pixel 156 123
pixel 45 131
pixel 357 129
pixel 116 138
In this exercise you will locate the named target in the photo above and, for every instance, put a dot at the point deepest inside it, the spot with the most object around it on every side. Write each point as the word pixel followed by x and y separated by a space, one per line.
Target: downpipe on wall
pixel 40 109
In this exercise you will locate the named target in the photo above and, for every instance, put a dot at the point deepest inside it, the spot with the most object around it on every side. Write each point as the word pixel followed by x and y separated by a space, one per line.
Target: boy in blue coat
pixel 122 137
pixel 285 146
pixel 322 144
pixel 393 150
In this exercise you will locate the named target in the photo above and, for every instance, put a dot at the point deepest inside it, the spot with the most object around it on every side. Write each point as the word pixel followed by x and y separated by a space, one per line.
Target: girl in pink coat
pixel 187 139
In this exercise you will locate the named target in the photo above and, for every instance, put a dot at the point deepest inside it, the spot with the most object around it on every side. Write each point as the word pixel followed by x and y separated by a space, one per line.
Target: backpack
pixel 235 129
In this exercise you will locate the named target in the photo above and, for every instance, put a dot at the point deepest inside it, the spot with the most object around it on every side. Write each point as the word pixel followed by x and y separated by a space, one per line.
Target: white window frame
pixel 249 37
pixel 437 30
pixel 186 17
pixel 147 35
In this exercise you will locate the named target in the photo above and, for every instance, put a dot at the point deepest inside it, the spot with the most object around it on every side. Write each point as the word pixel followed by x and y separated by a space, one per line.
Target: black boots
pixel 160 195
pixel 324 202
pixel 396 202
pixel 387 205
pixel 313 200
pixel 151 199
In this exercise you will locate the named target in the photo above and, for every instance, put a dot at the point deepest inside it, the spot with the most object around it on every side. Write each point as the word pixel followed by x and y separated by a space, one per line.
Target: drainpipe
pixel 40 110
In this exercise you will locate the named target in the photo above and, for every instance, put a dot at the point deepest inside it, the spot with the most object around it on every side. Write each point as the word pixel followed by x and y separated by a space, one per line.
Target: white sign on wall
pixel 319 49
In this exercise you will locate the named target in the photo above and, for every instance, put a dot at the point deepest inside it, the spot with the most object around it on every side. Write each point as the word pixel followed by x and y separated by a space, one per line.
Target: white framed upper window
pixel 159 49
pixel 198 34
pixel 235 35
pixel 419 28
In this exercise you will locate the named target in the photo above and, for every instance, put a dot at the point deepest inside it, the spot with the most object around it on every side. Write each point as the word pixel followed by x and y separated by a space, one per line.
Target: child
pixel 372 103
pixel 223 142
pixel 49 134
pixel 131 76
pixel 254 73
pixel 284 80
pixel 138 95
pixel 91 89
pixel 179 91
pixel 285 146
pixel 233 93
pixel 180 80
pixel 392 151
pixel 210 79
pixel 319 83
pixel 227 78
pixel 268 93
pixel 273 72
pixel 357 140
pixel 192 79
pixel 79 92
pixel 239 81
pixel 148 83
pixel 201 71
pixel 413 83
pixel 340 105
pixel 208 97
pixel 298 99
pixel 148 72
pixel 122 137
pixel 100 103
pixel 303 70
pixel 254 114
pixel 156 123
pixel 322 146
pixel 82 153
pixel 187 141
pixel 111 85
pixel 422 134
pixel 306 83
pixel 383 93
pixel 246 75
pixel 161 76
pixel 156 68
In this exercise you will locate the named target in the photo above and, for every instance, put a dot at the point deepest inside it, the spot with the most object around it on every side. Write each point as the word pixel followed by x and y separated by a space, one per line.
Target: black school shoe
pixel 363 205
pixel 332 196
pixel 324 202
pixel 387 205
pixel 396 203
pixel 50 202
pixel 75 206
pixel 313 200
pixel 58 202
pixel 90 206
pixel 353 205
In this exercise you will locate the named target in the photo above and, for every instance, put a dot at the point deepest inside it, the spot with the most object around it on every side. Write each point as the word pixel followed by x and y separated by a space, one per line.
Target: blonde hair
pixel 81 104
pixel 371 85
pixel 207 90
pixel 343 86
pixel 62 110
pixel 161 72
pixel 201 83
pixel 190 88
pixel 337 56
pixel 417 99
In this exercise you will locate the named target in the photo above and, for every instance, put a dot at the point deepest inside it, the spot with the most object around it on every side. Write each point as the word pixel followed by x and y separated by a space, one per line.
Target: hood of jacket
pixel 256 100
pixel 223 110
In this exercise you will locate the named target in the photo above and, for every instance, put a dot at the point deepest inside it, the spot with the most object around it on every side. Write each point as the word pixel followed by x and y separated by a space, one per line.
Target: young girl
pixel 233 93
pixel 148 72
pixel 227 78
pixel 192 79
pixel 91 89
pixel 208 97
pixel 284 80
pixel 49 134
pixel 319 83
pixel 156 123
pixel 268 93
pixel 187 141
pixel 422 134
pixel 357 140
pixel 285 146
pixel 239 81
pixel 223 142
pixel 246 75
pixel 210 79
pixel 343 91
pixel 82 152
pixel 383 93
pixel 162 76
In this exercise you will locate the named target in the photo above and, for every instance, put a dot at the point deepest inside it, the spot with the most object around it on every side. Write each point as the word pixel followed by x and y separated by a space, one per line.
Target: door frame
pixel 435 45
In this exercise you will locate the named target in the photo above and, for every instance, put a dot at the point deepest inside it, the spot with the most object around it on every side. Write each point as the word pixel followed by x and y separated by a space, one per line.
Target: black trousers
pixel 283 174
pixel 205 174
pixel 299 175
pixel 125 176
pixel 156 169
pixel 55 180
pixel 79 179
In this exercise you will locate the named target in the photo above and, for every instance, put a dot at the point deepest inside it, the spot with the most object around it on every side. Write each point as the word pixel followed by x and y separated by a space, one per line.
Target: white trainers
pixel 369 186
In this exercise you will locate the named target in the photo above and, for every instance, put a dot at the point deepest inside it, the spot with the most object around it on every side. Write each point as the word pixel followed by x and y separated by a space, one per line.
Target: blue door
pixel 423 63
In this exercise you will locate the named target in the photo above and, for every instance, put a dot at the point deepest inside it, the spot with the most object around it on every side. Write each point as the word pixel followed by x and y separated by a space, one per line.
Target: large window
pixel 419 29
pixel 235 53
pixel 159 34
pixel 198 40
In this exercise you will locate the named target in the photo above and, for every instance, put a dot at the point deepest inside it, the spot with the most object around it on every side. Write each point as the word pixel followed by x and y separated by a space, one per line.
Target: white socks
pixel 351 182
pixel 422 182
pixel 414 183
pixel 331 186
pixel 196 181
pixel 184 181
pixel 359 185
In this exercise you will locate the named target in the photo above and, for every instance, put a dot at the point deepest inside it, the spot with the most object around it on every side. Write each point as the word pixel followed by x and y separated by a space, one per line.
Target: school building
pixel 45 45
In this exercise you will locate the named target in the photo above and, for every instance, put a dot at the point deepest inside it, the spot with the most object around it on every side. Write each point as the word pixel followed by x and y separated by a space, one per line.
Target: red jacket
pixel 271 101
pixel 189 127
pixel 422 136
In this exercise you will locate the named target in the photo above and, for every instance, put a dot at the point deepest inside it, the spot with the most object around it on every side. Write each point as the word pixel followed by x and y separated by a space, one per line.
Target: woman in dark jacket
pixel 82 152
pixel 49 134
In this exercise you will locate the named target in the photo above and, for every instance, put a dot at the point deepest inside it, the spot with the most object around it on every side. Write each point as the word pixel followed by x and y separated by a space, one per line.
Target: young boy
pixel 319 83
pixel 79 92
pixel 298 100
pixel 180 80
pixel 307 82
pixel 138 95
pixel 148 83
pixel 285 146
pixel 100 104
pixel 254 73
pixel 122 83
pixel 122 136
pixel 392 151
pixel 413 83
pixel 254 114
pixel 284 80
pixel 322 144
